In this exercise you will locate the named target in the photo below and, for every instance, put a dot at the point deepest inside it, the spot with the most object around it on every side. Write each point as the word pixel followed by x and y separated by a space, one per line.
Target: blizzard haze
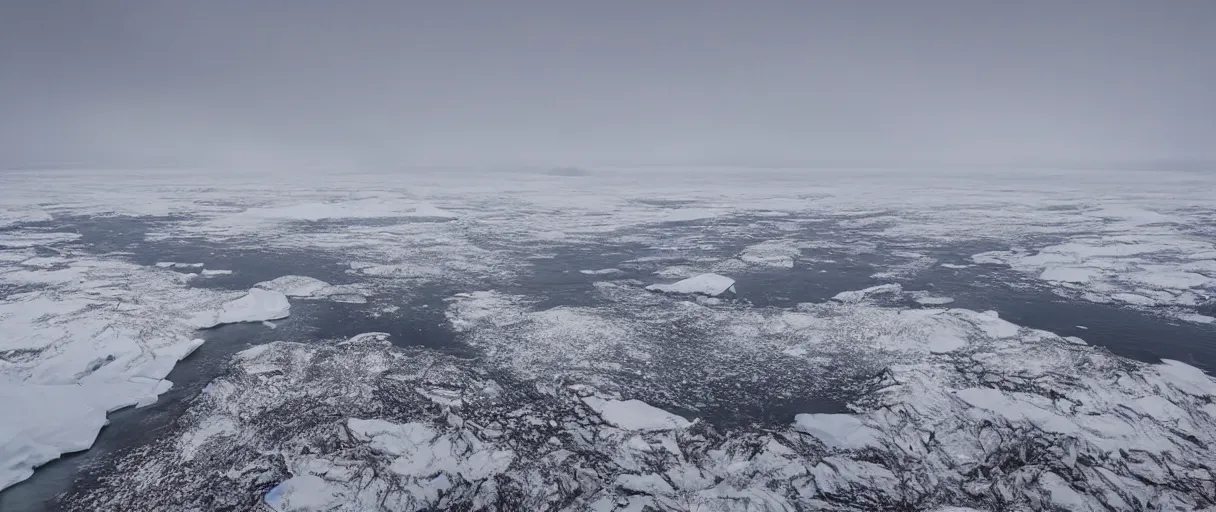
pixel 149 83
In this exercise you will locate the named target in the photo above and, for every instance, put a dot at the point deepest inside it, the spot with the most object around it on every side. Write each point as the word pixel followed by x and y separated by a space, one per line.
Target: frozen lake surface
pixel 487 340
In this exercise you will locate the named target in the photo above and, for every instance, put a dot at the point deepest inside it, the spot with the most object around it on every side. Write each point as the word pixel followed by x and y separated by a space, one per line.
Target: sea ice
pixel 704 284
pixel 1171 280
pixel 255 306
pixel 688 214
pixel 1069 274
pixel 774 253
pixel 1197 318
pixel 635 415
pixel 431 211
pixel 17 216
pixel 855 296
pixel 294 286
pixel 942 342
pixel 837 431
pixel 927 299
pixel 305 493
pixel 82 347
pixel 24 239
pixel 362 208
pixel 1136 270
pixel 1131 298
pixel 174 264
pixel 601 272
pixel 934 427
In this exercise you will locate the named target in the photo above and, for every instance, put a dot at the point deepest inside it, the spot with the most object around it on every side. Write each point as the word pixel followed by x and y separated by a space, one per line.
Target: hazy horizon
pixel 275 83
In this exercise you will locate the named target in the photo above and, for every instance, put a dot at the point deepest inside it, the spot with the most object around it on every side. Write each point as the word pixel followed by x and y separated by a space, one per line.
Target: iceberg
pixel 705 284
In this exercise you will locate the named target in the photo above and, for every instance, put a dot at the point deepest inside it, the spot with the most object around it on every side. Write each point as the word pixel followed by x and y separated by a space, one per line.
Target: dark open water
pixel 420 322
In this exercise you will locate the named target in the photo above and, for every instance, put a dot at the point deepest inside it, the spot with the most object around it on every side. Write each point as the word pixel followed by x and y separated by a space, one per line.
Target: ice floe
pixel 174 264
pixel 854 296
pixel 705 284
pixel 295 286
pixel 257 305
pixel 97 336
pixel 1137 270
pixel 601 272
pixel 773 253
pixel 837 431
pixel 22 239
pixel 635 414
pixel 928 299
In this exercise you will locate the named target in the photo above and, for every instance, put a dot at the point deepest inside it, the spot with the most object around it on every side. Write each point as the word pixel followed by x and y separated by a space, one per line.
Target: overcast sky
pixel 127 82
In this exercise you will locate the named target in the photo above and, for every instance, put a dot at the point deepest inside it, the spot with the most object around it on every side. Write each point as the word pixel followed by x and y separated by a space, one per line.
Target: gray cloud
pixel 206 83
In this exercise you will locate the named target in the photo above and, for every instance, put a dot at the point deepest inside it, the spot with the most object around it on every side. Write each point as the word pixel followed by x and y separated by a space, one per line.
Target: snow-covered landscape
pixel 623 339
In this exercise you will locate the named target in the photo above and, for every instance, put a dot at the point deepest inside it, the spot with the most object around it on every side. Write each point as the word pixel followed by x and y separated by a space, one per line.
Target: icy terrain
pixel 572 344
pixel 82 337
